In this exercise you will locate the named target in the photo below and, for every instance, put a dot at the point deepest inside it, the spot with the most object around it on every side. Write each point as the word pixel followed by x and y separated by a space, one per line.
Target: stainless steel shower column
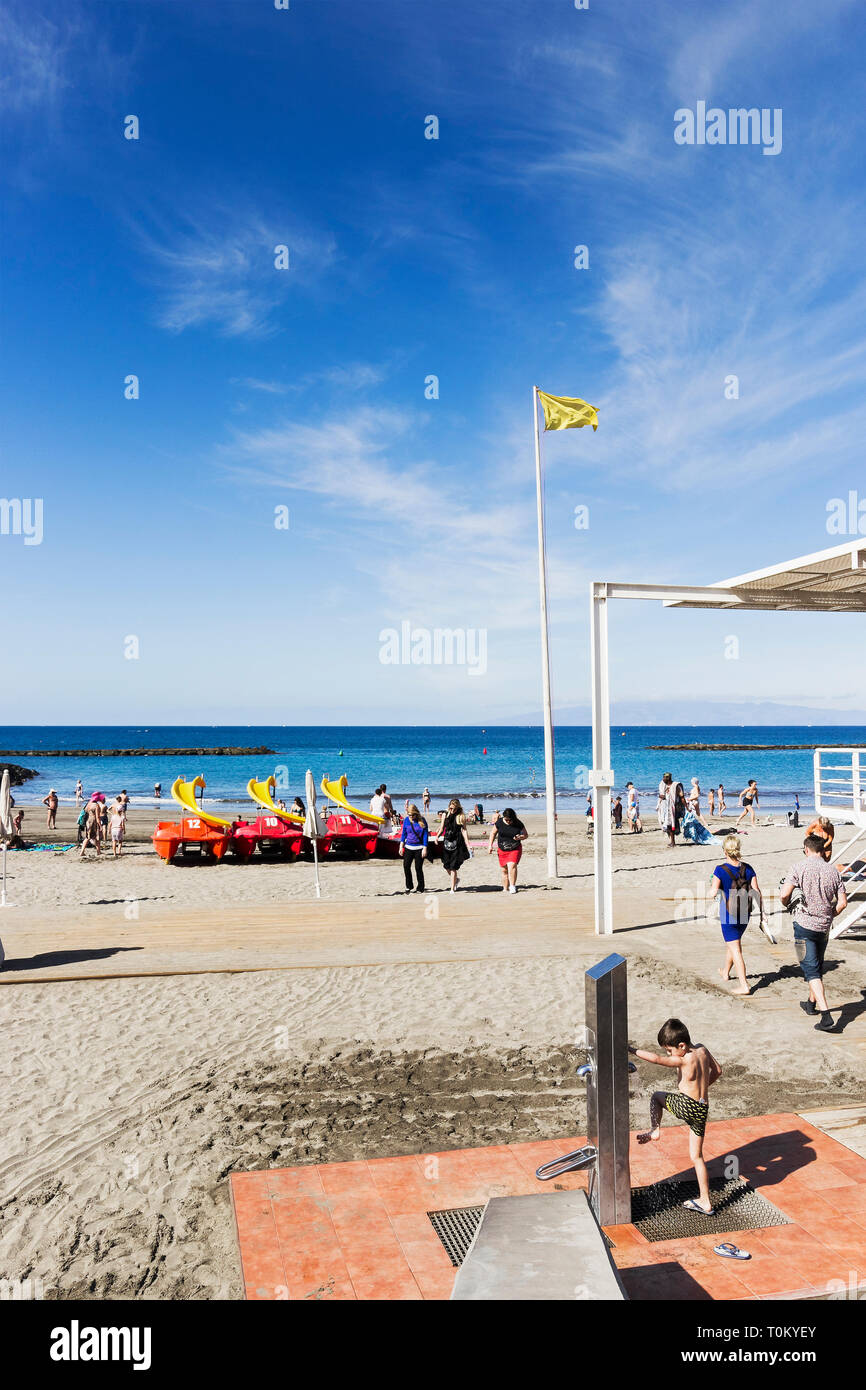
pixel 608 1086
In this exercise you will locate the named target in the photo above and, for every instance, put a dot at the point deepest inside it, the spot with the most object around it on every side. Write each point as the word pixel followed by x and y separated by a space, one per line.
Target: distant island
pixel 738 747
pixel 131 753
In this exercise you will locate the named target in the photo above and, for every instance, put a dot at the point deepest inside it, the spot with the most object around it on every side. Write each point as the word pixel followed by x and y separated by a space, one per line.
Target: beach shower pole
pixel 549 768
pixel 606 1072
pixel 606 1012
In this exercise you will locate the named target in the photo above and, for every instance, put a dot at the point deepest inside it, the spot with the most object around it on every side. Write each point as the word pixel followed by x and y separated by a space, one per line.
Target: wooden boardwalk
pixel 74 945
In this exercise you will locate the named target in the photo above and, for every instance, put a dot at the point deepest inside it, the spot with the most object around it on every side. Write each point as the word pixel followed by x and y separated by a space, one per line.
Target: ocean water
pixel 496 765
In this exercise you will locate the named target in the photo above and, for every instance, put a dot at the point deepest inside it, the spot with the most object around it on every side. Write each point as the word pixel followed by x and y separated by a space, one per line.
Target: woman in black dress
pixel 455 841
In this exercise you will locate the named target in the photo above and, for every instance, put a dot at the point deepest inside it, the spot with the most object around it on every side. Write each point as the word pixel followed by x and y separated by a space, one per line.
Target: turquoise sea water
pixel 450 761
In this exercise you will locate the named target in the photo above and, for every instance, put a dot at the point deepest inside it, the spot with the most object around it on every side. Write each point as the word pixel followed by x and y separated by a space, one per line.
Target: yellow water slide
pixel 336 792
pixel 184 794
pixel 263 795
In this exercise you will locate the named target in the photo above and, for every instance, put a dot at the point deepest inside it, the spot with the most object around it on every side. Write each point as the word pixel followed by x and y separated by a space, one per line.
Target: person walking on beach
pixel 635 824
pixel 722 803
pixel 91 834
pixel 616 813
pixel 736 884
pixel 662 806
pixel 413 847
pixel 824 898
pixel 509 834
pixel 748 799
pixel 694 797
pixel 426 798
pixel 52 802
pixel 455 841
pixel 117 826
pixel 698 1070
pixel 711 801
pixel 667 808
pixel 79 793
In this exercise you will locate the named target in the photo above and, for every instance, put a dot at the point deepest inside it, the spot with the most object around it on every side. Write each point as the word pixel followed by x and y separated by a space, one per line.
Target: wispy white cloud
pixel 736 40
pixel 216 266
pixel 351 376
pixel 36 53
pixel 402 517
pixel 50 54
pixel 272 388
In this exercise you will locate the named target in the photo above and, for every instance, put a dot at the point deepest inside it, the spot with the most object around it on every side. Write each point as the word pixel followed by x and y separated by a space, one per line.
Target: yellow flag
pixel 567 412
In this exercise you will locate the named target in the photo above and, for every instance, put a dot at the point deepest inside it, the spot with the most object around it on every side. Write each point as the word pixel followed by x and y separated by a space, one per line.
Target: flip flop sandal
pixel 692 1205
pixel 729 1251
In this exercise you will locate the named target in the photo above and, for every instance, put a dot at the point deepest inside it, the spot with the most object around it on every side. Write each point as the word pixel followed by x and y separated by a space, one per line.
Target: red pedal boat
pixel 348 835
pixel 199 834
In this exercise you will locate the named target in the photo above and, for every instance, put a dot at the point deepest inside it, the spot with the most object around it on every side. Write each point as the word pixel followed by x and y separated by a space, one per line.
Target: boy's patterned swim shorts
pixel 694 1112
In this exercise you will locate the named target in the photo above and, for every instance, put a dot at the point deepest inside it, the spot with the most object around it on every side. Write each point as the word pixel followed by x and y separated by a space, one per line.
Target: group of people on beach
pixel 678 811
pixel 99 822
pixel 814 891
pixel 507 834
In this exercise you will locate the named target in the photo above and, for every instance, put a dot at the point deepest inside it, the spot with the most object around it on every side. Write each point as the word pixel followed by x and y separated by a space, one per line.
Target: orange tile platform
pixel 360 1230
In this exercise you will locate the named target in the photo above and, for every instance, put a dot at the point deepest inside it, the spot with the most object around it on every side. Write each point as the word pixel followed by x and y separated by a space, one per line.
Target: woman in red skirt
pixel 509 834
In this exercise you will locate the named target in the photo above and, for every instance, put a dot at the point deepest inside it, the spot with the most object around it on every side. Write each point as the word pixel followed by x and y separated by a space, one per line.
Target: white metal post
pixel 549 767
pixel 601 777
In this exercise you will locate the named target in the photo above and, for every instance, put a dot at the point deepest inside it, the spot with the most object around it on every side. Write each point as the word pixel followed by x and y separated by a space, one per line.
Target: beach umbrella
pixel 5 806
pixel 313 827
pixel 6 833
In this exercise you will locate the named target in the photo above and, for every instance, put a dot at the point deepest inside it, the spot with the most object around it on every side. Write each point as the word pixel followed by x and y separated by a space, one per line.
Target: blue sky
pixel 410 257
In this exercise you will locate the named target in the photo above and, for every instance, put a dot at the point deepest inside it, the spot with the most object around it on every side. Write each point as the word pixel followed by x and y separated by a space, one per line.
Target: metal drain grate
pixel 659 1214
pixel 456 1230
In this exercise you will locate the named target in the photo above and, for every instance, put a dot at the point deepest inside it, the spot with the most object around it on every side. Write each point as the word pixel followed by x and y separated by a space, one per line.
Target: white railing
pixel 840 783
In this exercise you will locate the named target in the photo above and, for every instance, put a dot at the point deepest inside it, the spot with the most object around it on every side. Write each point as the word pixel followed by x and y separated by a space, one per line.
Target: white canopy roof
pixel 830 581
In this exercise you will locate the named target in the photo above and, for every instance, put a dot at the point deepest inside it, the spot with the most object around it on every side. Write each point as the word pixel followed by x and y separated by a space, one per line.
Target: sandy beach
pixel 133 1098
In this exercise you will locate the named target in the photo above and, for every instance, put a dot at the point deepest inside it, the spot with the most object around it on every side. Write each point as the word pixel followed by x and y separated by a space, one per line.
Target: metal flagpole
pixel 601 777
pixel 549 770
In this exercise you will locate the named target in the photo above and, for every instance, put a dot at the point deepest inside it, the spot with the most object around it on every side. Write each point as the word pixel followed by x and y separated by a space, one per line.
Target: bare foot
pixel 650 1134
pixel 741 990
pixel 725 974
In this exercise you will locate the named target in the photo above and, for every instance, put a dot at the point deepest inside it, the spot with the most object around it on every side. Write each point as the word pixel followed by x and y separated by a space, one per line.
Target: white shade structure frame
pixel 830 581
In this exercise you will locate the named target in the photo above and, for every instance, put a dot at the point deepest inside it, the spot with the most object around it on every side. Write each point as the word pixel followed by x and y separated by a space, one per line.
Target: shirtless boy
pixel 698 1070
